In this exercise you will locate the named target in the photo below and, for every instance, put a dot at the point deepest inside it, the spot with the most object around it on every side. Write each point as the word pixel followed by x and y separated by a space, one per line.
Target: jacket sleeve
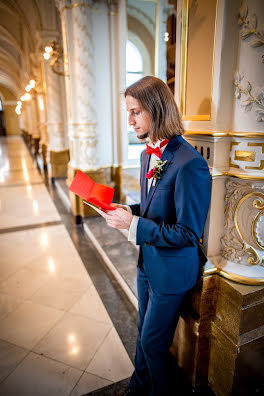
pixel 192 194
pixel 135 209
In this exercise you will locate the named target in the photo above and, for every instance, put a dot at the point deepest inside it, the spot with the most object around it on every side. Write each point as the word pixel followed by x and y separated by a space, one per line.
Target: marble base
pixel 101 175
pixel 59 163
pixel 220 336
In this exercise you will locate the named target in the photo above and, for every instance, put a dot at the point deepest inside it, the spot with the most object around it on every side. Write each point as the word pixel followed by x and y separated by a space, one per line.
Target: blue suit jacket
pixel 172 218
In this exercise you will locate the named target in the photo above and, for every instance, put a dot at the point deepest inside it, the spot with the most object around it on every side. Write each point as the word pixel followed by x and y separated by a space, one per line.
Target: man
pixel 167 224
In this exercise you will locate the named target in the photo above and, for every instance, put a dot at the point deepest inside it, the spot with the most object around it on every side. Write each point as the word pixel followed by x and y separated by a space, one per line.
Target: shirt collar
pixel 157 144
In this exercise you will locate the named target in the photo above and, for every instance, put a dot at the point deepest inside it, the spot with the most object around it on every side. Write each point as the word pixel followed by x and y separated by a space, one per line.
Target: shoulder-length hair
pixel 157 99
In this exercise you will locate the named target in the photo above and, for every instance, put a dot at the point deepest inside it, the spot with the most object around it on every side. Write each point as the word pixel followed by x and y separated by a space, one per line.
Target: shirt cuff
pixel 132 232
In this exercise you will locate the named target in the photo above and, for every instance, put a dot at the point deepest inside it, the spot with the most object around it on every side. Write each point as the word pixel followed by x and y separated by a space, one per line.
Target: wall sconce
pixel 25 97
pixel 54 53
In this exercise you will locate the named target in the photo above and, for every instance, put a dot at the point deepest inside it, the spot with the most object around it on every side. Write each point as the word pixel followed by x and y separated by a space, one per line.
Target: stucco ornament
pixel 249 27
pixel 250 100
pixel 243 241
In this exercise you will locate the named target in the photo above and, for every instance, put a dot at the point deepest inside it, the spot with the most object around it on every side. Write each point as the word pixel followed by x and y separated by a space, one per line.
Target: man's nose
pixel 130 120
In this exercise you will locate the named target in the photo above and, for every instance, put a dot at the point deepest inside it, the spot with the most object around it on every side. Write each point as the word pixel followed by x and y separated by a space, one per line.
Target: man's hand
pixel 119 218
pixel 116 205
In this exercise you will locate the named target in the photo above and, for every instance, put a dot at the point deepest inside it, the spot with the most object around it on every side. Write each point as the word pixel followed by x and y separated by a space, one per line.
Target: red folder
pixel 95 193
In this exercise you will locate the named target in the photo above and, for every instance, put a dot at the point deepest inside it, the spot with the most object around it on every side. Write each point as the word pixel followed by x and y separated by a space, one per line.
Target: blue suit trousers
pixel 157 320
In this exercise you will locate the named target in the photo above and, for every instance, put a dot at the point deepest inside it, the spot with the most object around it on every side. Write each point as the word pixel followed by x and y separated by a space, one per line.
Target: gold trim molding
pixel 234 277
pixel 183 66
pixel 238 176
pixel 206 133
pixel 245 177
pixel 70 7
pixel 245 135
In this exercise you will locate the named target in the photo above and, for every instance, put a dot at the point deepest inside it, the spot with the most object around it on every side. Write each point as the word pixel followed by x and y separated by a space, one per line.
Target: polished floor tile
pixel 23 283
pixel 39 376
pixel 59 293
pixel 111 360
pixel 18 177
pixel 53 322
pixel 47 249
pixel 21 205
pixel 28 324
pixel 90 305
pixel 8 304
pixel 88 383
pixel 10 356
pixel 74 340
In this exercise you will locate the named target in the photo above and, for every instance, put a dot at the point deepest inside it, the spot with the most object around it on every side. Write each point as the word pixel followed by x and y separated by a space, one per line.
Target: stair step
pixel 121 253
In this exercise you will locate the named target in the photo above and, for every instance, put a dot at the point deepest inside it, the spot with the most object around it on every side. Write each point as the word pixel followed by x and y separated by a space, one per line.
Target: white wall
pixel 249 63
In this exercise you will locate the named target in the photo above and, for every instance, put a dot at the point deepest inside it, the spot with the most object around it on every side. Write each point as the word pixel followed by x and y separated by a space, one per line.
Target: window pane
pixel 132 77
pixel 134 62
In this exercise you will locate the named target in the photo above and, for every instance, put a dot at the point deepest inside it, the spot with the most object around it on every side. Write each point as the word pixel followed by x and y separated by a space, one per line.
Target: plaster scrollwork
pixel 88 152
pixel 249 27
pixel 250 99
pixel 243 241
pixel 84 65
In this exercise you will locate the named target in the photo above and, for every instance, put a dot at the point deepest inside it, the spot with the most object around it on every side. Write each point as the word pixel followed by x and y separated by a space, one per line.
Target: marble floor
pixel 56 335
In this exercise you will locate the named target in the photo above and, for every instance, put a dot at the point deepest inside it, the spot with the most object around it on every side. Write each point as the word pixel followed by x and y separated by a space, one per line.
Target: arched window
pixel 134 63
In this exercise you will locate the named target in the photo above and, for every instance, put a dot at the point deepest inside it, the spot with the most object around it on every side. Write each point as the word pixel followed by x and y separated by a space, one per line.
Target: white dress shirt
pixel 132 232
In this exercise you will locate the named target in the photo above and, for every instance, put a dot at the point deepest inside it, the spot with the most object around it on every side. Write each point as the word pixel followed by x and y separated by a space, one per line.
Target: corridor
pixel 56 336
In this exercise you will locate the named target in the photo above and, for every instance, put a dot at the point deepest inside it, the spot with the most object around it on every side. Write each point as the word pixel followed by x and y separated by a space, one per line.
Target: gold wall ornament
pixel 247 156
pixel 258 225
pixel 232 245
pixel 258 204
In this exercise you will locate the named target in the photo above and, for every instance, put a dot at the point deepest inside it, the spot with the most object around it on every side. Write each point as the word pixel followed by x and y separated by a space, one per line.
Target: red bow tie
pixel 156 150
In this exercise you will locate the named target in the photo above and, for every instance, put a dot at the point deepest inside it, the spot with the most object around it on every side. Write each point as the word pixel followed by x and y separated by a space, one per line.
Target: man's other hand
pixel 119 218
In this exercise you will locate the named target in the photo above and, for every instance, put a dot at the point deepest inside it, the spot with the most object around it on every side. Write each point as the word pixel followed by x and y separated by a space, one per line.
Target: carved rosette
pixel 243 241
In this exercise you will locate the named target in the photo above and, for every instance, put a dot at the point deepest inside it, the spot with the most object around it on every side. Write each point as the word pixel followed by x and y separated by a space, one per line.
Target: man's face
pixel 139 118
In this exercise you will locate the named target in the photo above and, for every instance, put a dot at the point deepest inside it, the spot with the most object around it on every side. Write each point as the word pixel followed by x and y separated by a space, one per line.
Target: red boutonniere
pixel 156 171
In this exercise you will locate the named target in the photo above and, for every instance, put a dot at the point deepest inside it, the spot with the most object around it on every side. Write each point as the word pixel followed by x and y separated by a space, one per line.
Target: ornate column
pixel 220 338
pixel 55 124
pixel 88 92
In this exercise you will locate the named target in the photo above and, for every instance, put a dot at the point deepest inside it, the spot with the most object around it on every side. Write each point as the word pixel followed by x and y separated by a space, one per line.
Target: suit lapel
pixel 144 185
pixel 167 155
